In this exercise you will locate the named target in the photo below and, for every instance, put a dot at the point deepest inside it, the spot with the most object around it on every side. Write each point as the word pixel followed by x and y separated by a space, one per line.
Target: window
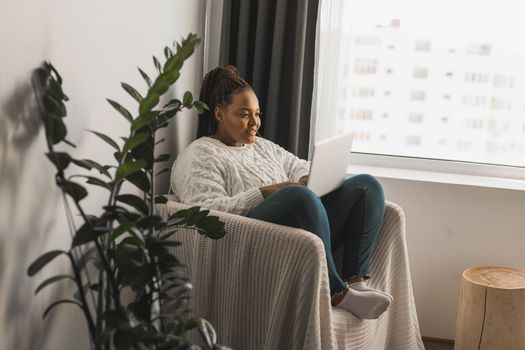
pixel 418 95
pixel 365 66
pixel 420 73
pixel 363 92
pixel 418 89
pixel 422 45
pixel 415 118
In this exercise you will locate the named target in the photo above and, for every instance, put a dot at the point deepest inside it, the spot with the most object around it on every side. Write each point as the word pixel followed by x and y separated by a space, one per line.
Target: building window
pixel 418 95
pixel 420 73
pixel 363 92
pixel 363 40
pixel 479 49
pixel 365 66
pixel 475 77
pixel 415 118
pixel 422 45
pixel 474 100
pixel 413 140
pixel 359 114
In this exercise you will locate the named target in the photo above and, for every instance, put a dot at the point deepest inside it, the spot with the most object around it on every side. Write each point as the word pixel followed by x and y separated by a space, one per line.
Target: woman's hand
pixel 268 190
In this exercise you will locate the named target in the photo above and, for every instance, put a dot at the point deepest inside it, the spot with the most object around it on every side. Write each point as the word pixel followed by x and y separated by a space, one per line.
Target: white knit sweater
pixel 213 175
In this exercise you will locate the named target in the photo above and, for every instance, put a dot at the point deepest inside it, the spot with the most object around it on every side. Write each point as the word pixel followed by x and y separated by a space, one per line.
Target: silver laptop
pixel 329 163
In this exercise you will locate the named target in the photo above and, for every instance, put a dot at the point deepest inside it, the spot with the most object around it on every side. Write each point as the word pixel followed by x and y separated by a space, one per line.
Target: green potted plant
pixel 124 248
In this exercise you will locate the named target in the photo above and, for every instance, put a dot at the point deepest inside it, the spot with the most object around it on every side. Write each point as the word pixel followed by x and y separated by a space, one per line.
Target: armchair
pixel 265 286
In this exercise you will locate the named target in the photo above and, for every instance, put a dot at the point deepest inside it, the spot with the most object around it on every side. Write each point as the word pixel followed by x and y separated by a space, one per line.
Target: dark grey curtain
pixel 272 44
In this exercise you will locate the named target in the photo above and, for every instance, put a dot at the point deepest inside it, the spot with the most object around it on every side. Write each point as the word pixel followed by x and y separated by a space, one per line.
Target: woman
pixel 229 168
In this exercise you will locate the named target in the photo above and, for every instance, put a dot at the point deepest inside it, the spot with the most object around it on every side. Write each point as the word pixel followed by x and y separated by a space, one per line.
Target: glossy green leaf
pixel 119 108
pixel 211 227
pixel 129 168
pixel 150 222
pixel 143 120
pixel 53 72
pixel 187 100
pixel 184 213
pixel 172 77
pixel 139 179
pixel 134 201
pixel 201 106
pixel 207 332
pixel 161 199
pixel 106 138
pixel 144 151
pixel 131 240
pixel 145 77
pixel 132 92
pixel 167 52
pixel 52 280
pixel 137 278
pixel 76 191
pixel 172 104
pixel 90 164
pixel 53 106
pixel 42 261
pixel 96 181
pixel 123 228
pixel 83 235
pixel 197 216
pixel 157 64
pixel 161 85
pixel 61 160
pixel 118 156
pixel 56 90
pixel 55 129
pixel 174 63
pixel 135 141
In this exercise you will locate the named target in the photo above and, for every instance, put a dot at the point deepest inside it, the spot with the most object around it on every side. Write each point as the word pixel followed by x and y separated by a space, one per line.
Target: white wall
pixel 452 227
pixel 95 45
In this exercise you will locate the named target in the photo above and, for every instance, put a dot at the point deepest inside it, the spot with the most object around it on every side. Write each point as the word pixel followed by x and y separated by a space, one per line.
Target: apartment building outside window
pixel 423 87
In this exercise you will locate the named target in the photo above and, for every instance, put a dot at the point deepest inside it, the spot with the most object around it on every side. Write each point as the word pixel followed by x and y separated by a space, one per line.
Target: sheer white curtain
pixel 326 71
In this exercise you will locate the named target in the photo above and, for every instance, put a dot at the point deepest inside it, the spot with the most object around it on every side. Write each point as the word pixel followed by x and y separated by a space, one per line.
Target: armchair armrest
pixel 262 285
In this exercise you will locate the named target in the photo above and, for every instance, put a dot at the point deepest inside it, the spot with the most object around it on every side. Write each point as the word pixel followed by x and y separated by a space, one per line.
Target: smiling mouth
pixel 250 132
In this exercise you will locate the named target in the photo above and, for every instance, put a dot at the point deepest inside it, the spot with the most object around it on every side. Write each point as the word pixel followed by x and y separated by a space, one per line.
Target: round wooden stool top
pixel 491 309
pixel 499 277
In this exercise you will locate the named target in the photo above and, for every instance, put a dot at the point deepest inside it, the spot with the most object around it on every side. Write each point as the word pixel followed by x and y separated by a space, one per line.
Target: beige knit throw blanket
pixel 265 286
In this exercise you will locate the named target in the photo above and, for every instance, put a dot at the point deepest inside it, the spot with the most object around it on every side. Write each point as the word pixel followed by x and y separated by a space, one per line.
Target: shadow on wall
pixel 27 219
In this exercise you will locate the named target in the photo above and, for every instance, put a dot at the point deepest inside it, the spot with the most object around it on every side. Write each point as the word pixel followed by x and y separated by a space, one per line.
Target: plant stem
pixel 85 307
pixel 73 229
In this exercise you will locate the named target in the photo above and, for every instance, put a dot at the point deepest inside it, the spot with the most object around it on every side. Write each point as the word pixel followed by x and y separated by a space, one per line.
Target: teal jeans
pixel 351 215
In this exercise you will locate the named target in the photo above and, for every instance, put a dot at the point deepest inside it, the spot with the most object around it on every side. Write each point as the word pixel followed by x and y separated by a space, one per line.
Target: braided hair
pixel 218 87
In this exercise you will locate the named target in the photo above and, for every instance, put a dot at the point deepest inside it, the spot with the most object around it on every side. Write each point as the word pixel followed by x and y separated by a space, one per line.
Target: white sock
pixel 365 304
pixel 362 286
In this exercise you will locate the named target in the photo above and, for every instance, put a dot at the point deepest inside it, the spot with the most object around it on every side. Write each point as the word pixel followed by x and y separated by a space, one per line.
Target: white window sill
pixel 425 170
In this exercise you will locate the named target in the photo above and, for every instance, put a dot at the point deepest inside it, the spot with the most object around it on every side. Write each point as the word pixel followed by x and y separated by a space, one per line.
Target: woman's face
pixel 239 121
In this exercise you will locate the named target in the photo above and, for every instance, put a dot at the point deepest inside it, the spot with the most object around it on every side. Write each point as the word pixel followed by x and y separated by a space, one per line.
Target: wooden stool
pixel 491 311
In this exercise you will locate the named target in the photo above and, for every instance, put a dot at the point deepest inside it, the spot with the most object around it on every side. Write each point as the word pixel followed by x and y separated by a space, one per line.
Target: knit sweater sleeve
pixel 294 166
pixel 200 179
